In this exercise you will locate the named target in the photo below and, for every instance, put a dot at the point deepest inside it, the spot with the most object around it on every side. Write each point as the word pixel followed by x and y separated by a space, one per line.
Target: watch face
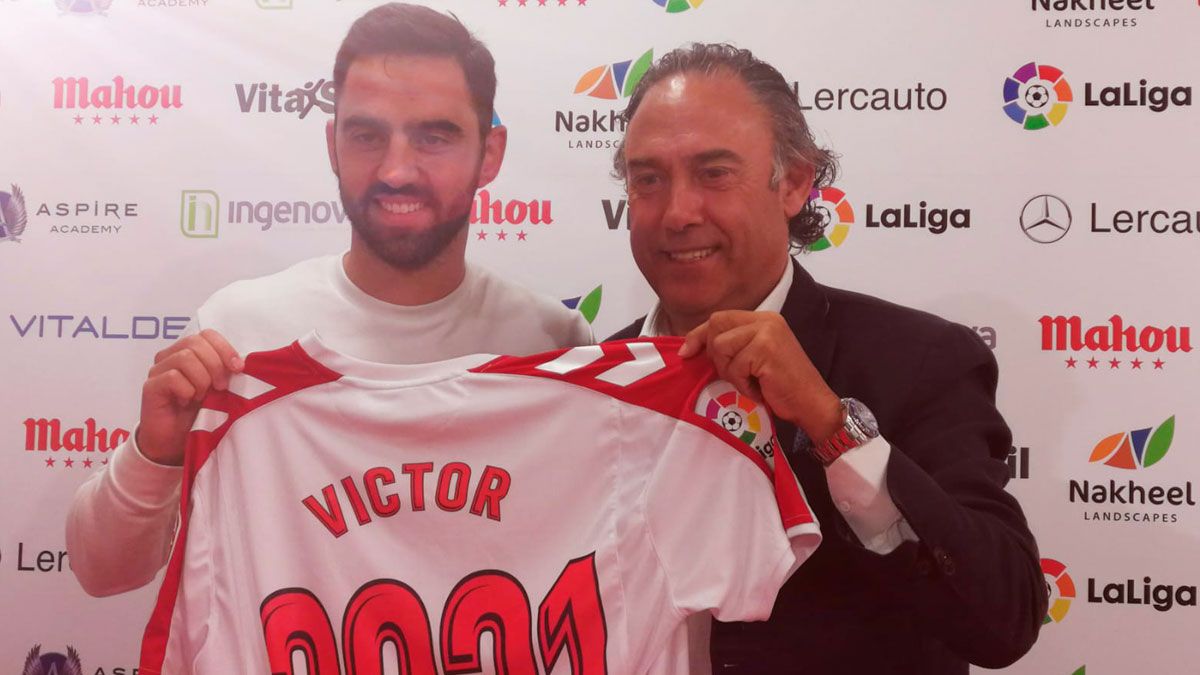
pixel 862 417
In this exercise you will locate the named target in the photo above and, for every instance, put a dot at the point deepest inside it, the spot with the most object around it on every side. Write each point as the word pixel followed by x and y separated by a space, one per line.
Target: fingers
pixel 224 350
pixel 171 386
pixel 186 365
pixel 737 360
pixel 695 341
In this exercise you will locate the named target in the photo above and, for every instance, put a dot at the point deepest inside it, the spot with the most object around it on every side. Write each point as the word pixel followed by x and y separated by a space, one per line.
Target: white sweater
pixel 121 521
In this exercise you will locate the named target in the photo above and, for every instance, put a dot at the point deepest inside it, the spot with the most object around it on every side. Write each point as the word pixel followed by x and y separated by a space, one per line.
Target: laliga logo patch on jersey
pixel 744 418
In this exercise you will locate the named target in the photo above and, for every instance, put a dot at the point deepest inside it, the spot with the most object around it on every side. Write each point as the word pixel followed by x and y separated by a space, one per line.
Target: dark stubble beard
pixel 402 250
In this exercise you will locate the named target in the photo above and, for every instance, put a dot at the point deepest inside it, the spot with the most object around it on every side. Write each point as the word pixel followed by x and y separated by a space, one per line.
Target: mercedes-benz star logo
pixel 1045 219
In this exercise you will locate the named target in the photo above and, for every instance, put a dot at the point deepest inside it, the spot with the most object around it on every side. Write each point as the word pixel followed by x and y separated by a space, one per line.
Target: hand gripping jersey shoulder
pixel 650 373
pixel 575 505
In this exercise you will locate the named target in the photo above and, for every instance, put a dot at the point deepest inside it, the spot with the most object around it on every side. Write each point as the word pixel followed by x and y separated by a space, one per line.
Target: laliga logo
pixel 742 417
pixel 13 217
pixel 1061 589
pixel 83 6
pixel 1036 96
pixel 1130 450
pixel 837 215
pixel 676 6
pixel 615 80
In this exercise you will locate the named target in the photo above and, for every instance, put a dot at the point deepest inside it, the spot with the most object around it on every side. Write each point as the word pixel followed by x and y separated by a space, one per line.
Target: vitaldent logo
pixel 98 327
pixel 588 305
pixel 1115 337
pixel 1132 500
pixel 264 98
pixel 1037 96
pixel 919 98
pixel 82 95
pixel 601 129
pixel 13 217
pixel 1069 14
pixel 677 6
pixel 54 443
pixel 837 216
pixel 509 220
pixel 1061 588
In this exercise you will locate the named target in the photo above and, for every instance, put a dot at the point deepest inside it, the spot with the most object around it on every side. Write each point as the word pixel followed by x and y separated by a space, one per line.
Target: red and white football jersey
pixel 558 513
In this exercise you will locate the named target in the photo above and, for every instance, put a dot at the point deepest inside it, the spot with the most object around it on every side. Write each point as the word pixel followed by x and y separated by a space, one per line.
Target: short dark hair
pixel 407 29
pixel 793 139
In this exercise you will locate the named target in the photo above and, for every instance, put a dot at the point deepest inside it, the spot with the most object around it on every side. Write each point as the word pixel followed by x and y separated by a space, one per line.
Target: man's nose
pixel 684 206
pixel 400 165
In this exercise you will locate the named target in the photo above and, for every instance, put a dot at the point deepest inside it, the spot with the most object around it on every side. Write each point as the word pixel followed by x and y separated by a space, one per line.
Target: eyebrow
pixel 699 159
pixel 368 122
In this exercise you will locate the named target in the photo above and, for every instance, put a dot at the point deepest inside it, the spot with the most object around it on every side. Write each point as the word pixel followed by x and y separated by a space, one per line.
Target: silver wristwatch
pixel 858 428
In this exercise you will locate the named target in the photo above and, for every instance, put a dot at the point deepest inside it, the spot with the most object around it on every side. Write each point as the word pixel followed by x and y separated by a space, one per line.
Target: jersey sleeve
pixel 715 521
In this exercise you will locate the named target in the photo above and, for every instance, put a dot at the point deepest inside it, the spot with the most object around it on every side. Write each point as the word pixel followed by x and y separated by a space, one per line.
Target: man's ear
pixel 331 144
pixel 494 144
pixel 795 188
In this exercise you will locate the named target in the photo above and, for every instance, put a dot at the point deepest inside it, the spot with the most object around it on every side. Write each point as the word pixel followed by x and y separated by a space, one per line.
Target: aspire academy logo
pixel 13 217
pixel 615 80
pixel 1137 449
pixel 1037 96
pixel 837 215
pixel 83 6
pixel 1061 590
pixel 52 663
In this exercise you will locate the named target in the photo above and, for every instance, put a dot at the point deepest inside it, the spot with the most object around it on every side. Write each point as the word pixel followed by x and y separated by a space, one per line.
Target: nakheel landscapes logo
pixel 601 128
pixel 1097 14
pixel 1037 96
pixel 588 305
pixel 1139 495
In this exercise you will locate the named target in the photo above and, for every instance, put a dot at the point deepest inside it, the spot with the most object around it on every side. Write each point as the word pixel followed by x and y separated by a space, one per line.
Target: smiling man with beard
pixel 410 144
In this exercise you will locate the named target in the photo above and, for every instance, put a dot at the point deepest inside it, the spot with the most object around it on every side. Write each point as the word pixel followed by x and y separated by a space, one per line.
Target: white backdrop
pixel 137 210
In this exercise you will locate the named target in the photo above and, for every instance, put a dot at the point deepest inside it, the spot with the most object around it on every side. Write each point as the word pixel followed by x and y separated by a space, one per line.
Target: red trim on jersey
pixel 290 370
pixel 671 390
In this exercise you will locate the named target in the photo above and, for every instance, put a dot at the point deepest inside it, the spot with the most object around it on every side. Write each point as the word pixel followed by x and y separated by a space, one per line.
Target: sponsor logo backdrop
pixel 1024 167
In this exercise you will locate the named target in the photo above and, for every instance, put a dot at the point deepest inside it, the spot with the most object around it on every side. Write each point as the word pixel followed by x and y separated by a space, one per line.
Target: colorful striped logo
pixel 1061 588
pixel 1135 449
pixel 616 80
pixel 1036 96
pixel 837 214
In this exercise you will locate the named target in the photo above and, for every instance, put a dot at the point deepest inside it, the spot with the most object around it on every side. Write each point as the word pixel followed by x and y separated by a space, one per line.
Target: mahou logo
pixel 102 97
pixel 1115 338
pixel 508 219
pixel 59 444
